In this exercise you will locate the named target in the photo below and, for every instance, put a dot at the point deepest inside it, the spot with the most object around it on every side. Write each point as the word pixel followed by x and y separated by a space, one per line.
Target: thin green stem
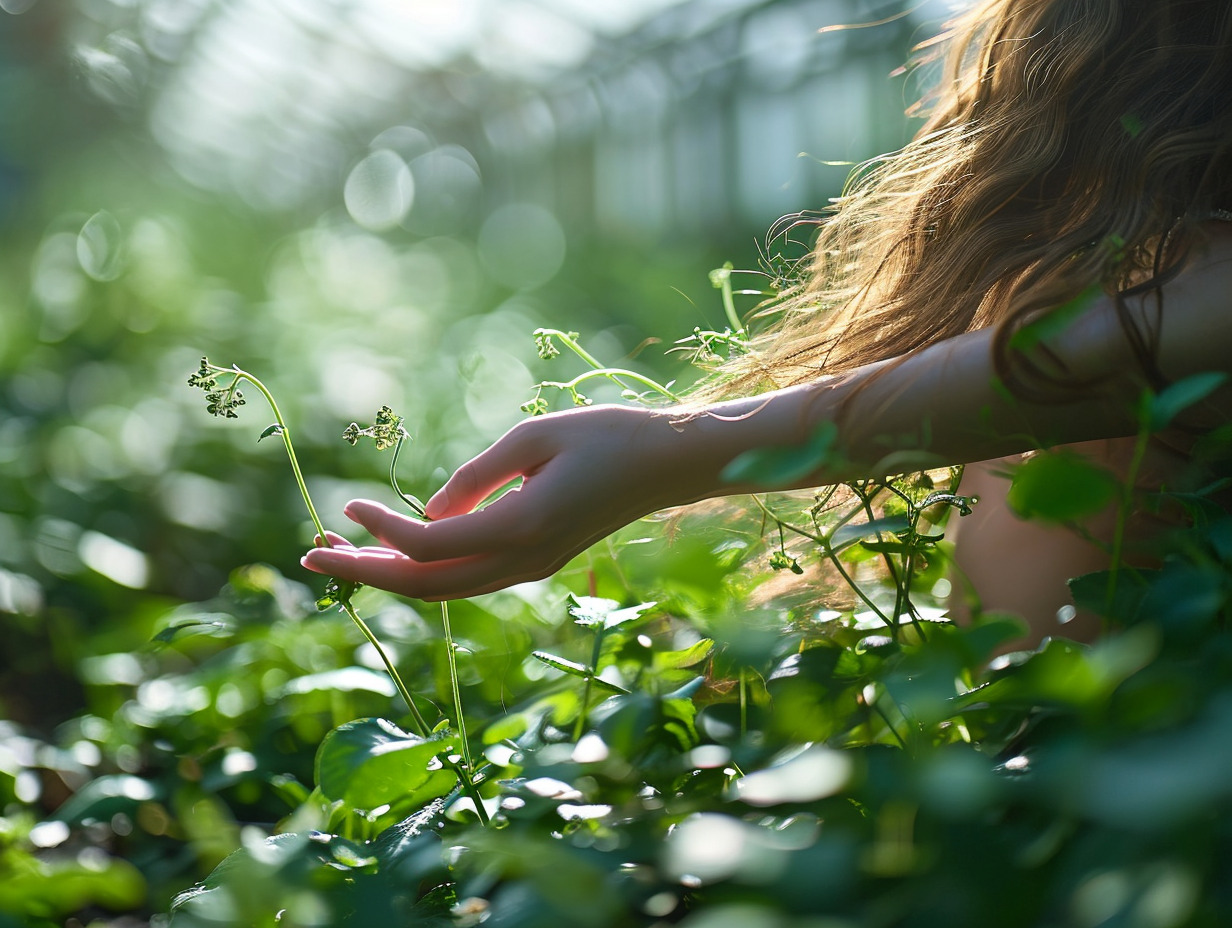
pixel 617 375
pixel 611 373
pixel 899 594
pixel 829 552
pixel 847 578
pixel 421 726
pixel 569 342
pixel 286 441
pixel 902 743
pixel 902 583
pixel 729 304
pixel 579 727
pixel 744 703
pixel 467 769
pixel 783 523
pixel 413 502
pixel 1123 507
pixel 453 682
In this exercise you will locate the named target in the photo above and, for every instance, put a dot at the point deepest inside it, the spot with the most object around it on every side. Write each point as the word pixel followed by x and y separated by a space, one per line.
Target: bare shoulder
pixel 1196 322
pixel 1197 311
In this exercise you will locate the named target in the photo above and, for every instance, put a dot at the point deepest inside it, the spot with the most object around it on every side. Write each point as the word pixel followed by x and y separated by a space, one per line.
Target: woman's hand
pixel 584 473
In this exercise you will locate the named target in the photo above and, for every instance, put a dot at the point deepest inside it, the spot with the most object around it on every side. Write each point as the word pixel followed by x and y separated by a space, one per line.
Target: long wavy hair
pixel 1069 144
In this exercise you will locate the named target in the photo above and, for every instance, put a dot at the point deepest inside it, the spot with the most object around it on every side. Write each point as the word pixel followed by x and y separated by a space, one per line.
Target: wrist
pixel 700 443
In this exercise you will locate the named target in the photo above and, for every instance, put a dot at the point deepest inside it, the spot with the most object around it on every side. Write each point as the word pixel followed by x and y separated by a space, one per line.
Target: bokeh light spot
pixel 115 560
pixel 379 191
pixel 522 245
pixel 816 773
pixel 99 246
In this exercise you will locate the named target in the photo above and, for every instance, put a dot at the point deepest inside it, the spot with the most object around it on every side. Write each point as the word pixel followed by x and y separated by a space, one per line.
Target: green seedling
pixel 223 396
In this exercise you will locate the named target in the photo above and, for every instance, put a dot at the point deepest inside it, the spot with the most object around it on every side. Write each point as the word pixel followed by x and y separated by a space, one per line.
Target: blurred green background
pixel 362 202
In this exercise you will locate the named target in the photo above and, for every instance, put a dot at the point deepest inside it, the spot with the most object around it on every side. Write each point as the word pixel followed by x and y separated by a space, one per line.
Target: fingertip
pixel 358 510
pixel 325 560
pixel 438 506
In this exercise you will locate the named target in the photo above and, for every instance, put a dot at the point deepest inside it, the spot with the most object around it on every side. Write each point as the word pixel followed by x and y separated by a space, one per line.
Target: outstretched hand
pixel 584 473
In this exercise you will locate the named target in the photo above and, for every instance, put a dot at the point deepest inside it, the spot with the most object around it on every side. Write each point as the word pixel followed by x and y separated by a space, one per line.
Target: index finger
pixel 513 456
pixel 484 531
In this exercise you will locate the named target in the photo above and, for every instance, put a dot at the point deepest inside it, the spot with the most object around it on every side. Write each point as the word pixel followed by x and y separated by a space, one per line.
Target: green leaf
pixel 846 534
pixel 508 728
pixel 565 666
pixel 371 762
pixel 595 610
pixel 1185 597
pixel 1060 486
pixel 274 429
pixel 687 657
pixel 215 628
pixel 1164 407
pixel 337 592
pixel 573 668
pixel 63 886
pixel 103 797
pixel 783 466
pixel 1090 594
pixel 350 855
pixel 888 547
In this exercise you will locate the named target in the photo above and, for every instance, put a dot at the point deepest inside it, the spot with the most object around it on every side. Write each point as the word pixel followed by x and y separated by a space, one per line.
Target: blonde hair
pixel 1070 143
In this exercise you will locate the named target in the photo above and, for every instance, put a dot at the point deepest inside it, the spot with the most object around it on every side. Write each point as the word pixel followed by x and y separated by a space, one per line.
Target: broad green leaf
pixel 103 797
pixel 1090 594
pixel 783 466
pixel 371 762
pixel 591 610
pixel 1060 486
pixel 350 855
pixel 1164 407
pixel 1186 597
pixel 70 884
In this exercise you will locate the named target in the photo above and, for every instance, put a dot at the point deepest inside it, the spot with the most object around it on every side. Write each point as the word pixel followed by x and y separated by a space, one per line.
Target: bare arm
pixel 587 472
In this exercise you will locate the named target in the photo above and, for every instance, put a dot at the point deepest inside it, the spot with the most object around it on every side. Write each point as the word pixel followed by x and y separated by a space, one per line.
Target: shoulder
pixel 1195 321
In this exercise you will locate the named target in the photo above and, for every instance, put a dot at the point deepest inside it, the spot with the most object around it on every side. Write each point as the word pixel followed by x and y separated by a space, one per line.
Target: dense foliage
pixel 658 735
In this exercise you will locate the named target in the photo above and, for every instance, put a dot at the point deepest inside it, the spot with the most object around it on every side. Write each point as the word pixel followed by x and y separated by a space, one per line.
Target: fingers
pixel 498 526
pixel 392 571
pixel 511 457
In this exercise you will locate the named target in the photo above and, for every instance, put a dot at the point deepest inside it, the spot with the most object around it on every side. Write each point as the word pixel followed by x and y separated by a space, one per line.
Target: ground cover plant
pixel 667 733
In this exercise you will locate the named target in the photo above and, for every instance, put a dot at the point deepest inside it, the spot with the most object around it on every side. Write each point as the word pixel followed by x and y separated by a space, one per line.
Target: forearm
pixel 944 405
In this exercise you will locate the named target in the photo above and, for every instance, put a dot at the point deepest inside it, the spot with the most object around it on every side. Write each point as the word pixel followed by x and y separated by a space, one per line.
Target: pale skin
pixel 587 472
